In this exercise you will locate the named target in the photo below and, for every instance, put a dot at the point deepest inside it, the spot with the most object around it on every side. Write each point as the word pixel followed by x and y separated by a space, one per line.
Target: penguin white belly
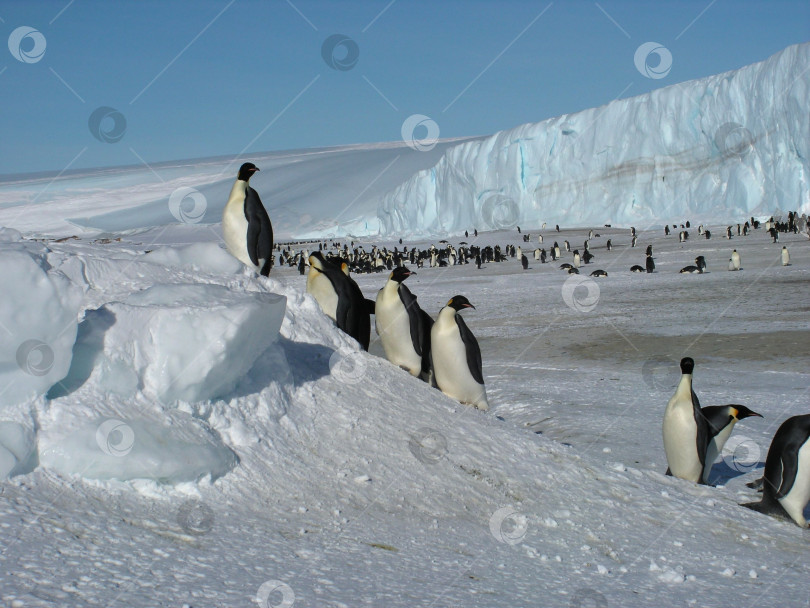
pixel 321 289
pixel 714 448
pixel 394 329
pixel 450 366
pixel 796 500
pixel 680 444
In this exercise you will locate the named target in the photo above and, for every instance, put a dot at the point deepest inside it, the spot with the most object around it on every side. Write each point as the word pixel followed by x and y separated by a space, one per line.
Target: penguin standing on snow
pixel 734 262
pixel 785 257
pixel 786 483
pixel 246 226
pixel 456 356
pixel 650 264
pixel 685 429
pixel 403 327
pixel 524 262
pixel 339 297
pixel 721 419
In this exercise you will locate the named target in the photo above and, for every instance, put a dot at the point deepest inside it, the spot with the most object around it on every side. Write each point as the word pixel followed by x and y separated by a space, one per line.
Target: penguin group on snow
pixel 445 353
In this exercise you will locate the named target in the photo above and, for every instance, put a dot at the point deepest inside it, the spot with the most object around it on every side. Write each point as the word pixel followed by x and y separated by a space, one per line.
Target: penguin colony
pixel 446 354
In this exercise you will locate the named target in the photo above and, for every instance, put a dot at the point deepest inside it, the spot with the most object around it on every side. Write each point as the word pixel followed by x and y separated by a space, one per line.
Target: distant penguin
pixel 691 270
pixel 700 262
pixel 537 255
pixel 785 257
pixel 721 419
pixel 246 226
pixel 636 268
pixel 456 356
pixel 565 266
pixel 633 241
pixel 649 264
pixel 567 246
pixel 786 482
pixel 685 429
pixel 666 230
pixel 609 244
pixel 540 239
pixel 599 273
pixel 708 234
pixel 542 256
pixel 524 262
pixel 403 327
pixel 734 262
pixel 649 250
pixel 556 251
pixel 573 270
pixel 577 259
pixel 339 297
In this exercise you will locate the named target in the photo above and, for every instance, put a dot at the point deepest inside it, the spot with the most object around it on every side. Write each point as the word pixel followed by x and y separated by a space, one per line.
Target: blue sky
pixel 212 78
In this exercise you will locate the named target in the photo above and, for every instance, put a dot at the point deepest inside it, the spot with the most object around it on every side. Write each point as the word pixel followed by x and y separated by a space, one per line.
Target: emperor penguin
pixel 785 256
pixel 685 429
pixel 786 482
pixel 403 327
pixel 649 264
pixel 246 226
pixel 456 356
pixel 721 419
pixel 524 261
pixel 577 258
pixel 339 297
pixel 734 262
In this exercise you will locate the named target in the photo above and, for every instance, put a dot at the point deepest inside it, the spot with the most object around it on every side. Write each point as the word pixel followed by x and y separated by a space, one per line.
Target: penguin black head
pixel 400 273
pixel 687 365
pixel 246 171
pixel 459 303
pixel 743 412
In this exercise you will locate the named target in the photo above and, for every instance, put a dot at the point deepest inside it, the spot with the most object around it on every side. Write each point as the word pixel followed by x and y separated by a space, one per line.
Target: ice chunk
pixel 17 454
pixel 38 320
pixel 182 342
pixel 112 448
pixel 208 257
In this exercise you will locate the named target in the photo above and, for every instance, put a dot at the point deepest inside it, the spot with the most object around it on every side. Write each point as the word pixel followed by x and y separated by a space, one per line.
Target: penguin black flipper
pixel 425 325
pixel 371 306
pixel 260 231
pixel 473 350
pixel 703 436
pixel 415 319
pixel 355 313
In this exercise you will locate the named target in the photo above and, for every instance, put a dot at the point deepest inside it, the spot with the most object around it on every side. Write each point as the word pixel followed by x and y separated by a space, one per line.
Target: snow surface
pixel 727 146
pixel 321 475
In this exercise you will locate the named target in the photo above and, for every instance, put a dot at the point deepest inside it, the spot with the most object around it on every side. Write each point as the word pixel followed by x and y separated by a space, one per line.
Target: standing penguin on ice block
pixel 246 226
pixel 686 430
pixel 456 356
pixel 403 327
pixel 786 483
pixel 340 298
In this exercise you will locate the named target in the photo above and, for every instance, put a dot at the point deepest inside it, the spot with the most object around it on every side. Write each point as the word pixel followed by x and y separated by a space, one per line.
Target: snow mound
pixel 38 317
pixel 17 454
pixel 727 146
pixel 183 342
pixel 173 450
pixel 207 257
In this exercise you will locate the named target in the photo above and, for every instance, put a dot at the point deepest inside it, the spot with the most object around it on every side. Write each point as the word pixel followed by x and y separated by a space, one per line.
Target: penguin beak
pixel 469 306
